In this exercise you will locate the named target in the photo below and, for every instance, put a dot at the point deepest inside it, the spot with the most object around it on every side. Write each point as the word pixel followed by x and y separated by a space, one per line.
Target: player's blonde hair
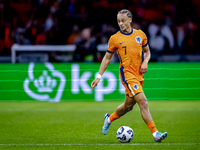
pixel 127 12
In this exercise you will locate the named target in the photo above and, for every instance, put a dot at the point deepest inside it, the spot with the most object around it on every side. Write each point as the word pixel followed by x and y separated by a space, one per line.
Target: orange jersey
pixel 129 47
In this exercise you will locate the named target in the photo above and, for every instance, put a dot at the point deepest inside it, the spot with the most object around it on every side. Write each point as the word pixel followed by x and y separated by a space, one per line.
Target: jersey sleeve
pixel 111 45
pixel 144 39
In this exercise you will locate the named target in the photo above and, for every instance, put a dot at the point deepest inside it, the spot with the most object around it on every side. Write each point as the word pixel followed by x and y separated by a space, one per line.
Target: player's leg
pixel 120 111
pixel 124 107
pixel 143 104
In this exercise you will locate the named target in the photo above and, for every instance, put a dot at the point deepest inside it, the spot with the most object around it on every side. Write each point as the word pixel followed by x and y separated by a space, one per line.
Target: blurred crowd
pixel 172 26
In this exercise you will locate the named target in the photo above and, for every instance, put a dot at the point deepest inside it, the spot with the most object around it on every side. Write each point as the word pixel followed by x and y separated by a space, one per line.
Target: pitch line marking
pixel 99 144
pixel 95 110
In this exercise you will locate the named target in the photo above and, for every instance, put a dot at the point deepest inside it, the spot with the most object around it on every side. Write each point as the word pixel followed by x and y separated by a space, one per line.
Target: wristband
pixel 99 76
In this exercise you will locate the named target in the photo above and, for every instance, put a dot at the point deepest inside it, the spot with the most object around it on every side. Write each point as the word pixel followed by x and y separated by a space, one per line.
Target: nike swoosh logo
pixel 121 43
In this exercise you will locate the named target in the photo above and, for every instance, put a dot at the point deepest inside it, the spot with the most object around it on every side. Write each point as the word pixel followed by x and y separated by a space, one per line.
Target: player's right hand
pixel 95 82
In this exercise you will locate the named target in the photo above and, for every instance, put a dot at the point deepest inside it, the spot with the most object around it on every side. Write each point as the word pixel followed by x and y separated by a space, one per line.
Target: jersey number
pixel 125 49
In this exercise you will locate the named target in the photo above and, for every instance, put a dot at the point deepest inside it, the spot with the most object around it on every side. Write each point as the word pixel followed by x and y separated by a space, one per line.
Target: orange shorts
pixel 133 87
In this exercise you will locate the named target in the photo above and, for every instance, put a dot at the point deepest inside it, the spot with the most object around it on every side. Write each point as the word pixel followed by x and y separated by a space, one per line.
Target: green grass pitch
pixel 77 125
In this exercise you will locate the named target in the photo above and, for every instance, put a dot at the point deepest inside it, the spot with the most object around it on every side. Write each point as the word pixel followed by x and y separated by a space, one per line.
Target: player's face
pixel 124 22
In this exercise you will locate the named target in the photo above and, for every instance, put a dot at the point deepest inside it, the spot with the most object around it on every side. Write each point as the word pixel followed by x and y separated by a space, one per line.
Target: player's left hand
pixel 144 67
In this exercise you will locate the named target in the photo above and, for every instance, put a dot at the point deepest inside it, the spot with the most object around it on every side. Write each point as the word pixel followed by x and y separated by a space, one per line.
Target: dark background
pixel 172 26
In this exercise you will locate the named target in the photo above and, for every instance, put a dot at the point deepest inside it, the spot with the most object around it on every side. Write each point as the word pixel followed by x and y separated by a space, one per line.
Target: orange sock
pixel 152 127
pixel 113 116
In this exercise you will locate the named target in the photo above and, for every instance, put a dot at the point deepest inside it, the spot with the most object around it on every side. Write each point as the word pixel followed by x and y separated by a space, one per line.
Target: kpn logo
pixel 44 83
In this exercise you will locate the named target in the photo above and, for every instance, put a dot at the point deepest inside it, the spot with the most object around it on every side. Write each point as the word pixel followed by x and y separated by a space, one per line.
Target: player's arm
pixel 147 56
pixel 104 65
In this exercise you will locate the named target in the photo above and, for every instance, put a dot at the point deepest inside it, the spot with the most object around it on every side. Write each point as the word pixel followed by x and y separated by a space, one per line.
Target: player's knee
pixel 143 104
pixel 129 107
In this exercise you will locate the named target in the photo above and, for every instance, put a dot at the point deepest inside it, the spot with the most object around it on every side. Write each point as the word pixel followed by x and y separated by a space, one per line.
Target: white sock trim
pixel 154 134
pixel 109 120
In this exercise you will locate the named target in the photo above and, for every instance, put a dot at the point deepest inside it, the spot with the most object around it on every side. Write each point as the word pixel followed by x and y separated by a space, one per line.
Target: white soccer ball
pixel 125 134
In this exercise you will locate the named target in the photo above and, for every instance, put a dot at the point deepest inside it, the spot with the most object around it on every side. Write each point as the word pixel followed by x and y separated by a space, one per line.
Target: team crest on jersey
pixel 135 86
pixel 138 39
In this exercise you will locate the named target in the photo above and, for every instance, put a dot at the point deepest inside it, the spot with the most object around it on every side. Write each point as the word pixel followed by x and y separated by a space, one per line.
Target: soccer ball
pixel 125 134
